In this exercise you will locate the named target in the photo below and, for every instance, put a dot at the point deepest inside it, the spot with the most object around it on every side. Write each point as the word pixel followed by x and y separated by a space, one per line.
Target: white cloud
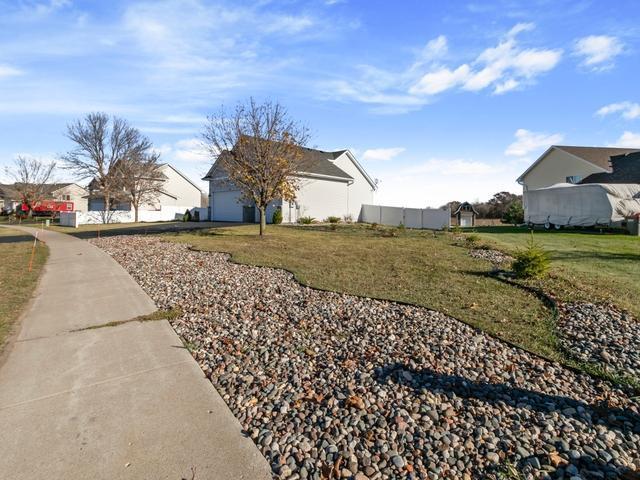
pixel 189 150
pixel 8 71
pixel 382 154
pixel 507 65
pixel 521 27
pixel 528 141
pixel 628 110
pixel 449 167
pixel 435 48
pixel 502 68
pixel 628 140
pixel 505 86
pixel 440 80
pixel 598 51
pixel 288 24
pixel 181 54
pixel 42 9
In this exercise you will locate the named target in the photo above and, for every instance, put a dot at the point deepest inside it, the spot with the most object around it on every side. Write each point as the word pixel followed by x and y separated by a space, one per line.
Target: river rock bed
pixel 336 386
pixel 601 334
pixel 494 256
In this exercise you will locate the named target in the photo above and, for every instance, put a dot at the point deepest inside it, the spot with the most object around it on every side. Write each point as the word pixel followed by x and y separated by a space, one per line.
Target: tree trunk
pixel 263 220
pixel 107 207
pixel 135 213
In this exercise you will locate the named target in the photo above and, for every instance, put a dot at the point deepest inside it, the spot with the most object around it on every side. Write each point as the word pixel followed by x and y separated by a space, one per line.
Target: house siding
pixel 360 191
pixel 555 168
pixel 187 195
pixel 321 198
pixel 76 194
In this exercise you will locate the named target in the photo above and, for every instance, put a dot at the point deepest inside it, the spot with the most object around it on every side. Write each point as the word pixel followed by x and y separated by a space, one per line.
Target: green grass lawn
pixel 415 267
pixel 141 228
pixel 586 265
pixel 16 282
pixel 105 227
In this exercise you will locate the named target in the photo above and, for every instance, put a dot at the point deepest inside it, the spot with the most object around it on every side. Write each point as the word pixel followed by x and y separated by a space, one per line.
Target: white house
pixel 178 194
pixel 331 184
pixel 568 164
pixel 177 191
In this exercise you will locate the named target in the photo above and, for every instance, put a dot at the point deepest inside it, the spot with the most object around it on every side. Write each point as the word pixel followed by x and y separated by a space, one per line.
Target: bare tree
pixel 103 143
pixel 31 176
pixel 260 148
pixel 142 179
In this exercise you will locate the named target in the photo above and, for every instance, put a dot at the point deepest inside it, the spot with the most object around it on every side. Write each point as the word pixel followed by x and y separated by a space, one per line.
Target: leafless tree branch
pixel 31 176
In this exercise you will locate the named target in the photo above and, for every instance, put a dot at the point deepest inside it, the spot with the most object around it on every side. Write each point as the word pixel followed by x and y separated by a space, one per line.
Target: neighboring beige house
pixel 69 192
pixel 568 164
pixel 60 192
pixel 582 186
pixel 331 184
pixel 178 193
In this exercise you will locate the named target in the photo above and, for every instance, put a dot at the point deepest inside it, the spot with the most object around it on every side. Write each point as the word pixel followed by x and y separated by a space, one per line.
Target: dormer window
pixel 575 179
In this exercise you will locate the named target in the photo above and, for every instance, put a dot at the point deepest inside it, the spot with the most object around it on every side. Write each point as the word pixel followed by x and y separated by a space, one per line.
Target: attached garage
pixel 226 206
pixel 330 184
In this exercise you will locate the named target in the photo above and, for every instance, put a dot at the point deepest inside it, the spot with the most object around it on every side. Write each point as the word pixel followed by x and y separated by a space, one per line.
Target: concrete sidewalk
pixel 109 403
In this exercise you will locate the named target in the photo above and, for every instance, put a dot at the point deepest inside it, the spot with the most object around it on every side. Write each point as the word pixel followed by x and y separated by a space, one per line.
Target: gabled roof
pixel 625 169
pixel 598 156
pixel 8 190
pixel 314 162
pixel 466 207
pixel 49 188
pixel 52 187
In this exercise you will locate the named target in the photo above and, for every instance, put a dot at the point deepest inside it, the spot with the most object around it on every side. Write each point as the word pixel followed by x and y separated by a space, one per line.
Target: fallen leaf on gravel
pixel 356 402
pixel 556 460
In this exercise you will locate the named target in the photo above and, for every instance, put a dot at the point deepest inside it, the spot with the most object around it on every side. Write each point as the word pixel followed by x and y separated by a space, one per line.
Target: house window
pixel 574 179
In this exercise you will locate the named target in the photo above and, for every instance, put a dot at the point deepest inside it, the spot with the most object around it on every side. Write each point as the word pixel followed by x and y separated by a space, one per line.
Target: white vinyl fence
pixel 166 213
pixel 429 218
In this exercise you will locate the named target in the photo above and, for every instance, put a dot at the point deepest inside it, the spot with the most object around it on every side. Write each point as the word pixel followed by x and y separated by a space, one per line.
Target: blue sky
pixel 439 100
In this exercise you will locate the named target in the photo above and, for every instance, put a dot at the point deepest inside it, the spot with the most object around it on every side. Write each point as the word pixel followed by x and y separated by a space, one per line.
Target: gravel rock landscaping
pixel 494 256
pixel 336 386
pixel 603 335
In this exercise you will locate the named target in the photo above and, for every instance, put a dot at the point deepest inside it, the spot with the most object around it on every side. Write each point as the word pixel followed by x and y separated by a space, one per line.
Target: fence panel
pixel 391 216
pixel 431 218
pixel 436 218
pixel 413 217
pixel 369 214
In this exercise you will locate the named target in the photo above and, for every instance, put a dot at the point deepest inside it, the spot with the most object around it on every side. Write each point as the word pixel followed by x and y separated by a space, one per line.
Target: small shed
pixel 466 215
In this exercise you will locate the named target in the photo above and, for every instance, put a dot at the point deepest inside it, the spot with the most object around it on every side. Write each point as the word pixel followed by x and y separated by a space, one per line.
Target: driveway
pixel 114 402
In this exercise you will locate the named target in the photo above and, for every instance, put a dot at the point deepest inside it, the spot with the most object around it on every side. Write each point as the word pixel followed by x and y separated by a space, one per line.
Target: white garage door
pixel 226 207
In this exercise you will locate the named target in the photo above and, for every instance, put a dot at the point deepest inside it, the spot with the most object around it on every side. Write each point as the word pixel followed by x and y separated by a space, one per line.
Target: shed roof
pixel 466 207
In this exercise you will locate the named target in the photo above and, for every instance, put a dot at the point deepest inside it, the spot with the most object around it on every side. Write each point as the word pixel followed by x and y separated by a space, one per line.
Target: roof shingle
pixel 625 169
pixel 599 156
pixel 315 162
